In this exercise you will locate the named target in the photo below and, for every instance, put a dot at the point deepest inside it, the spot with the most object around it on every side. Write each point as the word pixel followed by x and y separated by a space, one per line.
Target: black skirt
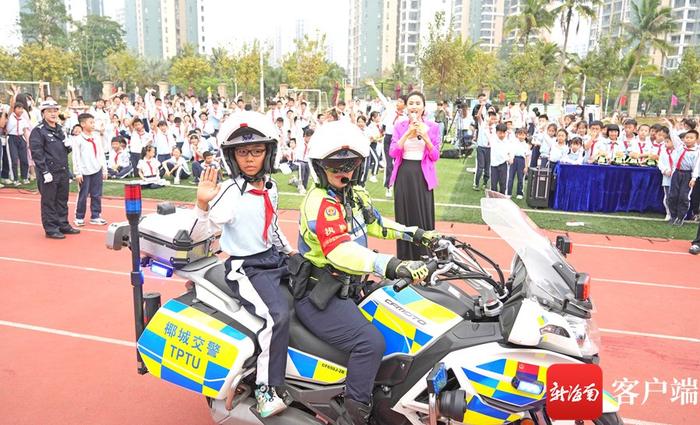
pixel 414 205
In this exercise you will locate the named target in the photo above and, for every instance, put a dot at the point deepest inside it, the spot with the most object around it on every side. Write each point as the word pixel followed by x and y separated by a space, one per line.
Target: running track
pixel 66 321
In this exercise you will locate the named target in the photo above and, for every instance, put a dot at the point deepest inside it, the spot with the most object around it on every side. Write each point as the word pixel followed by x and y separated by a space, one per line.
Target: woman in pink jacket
pixel 415 147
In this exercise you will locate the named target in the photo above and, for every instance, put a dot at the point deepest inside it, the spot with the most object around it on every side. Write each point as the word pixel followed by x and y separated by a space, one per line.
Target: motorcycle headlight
pixel 586 333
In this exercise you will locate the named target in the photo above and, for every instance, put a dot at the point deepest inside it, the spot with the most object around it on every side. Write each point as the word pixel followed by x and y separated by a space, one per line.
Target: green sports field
pixel 457 201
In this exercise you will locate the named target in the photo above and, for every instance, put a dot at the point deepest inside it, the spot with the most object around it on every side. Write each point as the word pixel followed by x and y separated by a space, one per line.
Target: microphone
pixel 268 185
pixel 345 180
pixel 414 118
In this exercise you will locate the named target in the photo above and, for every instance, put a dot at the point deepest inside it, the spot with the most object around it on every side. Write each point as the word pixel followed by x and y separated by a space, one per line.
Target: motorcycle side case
pixel 197 350
pixel 165 237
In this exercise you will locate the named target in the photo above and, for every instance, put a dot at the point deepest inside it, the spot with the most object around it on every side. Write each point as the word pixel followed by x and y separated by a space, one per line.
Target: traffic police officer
pixel 336 218
pixel 50 155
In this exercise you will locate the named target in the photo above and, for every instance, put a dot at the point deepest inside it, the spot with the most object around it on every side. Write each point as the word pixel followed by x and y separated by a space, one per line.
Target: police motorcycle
pixel 465 346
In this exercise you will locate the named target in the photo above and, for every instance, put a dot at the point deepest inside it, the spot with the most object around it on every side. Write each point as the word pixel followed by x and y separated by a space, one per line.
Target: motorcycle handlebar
pixel 401 284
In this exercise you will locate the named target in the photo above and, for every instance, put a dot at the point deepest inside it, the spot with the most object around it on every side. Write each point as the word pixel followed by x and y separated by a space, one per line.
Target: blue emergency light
pixel 161 269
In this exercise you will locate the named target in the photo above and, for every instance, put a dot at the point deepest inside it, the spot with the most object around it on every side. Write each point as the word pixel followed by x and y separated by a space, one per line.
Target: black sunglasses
pixel 342 165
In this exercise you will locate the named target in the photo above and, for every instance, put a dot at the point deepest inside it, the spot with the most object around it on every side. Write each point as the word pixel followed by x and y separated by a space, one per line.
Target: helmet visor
pixel 340 165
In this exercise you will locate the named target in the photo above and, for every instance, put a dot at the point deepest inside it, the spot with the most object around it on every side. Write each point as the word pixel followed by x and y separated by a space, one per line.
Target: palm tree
pixel 533 16
pixel 583 8
pixel 649 24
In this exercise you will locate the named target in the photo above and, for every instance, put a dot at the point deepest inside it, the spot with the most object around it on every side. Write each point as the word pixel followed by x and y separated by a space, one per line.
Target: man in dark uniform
pixel 50 155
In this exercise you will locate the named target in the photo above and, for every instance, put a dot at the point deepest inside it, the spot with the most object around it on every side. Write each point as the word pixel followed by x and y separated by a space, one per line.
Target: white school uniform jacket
pixel 138 141
pixel 149 168
pixel 574 158
pixel 88 155
pixel 119 159
pixel 557 152
pixel 628 145
pixel 598 144
pixel 162 143
pixel 241 217
pixel 520 149
pixel 181 161
pixel 501 151
pixel 666 164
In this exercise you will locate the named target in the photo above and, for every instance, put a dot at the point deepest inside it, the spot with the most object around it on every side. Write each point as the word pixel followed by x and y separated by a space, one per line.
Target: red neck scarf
pixel 269 209
pixel 94 145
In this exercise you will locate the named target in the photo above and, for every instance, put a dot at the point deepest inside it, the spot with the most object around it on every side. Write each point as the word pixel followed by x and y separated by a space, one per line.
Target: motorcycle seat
pixel 300 337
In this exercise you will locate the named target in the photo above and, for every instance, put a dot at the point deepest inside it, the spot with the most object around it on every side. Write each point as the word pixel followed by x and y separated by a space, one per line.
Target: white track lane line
pixel 67 333
pixel 84 268
pixel 461 235
pixel 613 281
pixel 131 344
pixel 92 269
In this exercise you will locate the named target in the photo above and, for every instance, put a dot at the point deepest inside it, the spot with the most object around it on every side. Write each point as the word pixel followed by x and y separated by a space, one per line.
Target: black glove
pixel 415 271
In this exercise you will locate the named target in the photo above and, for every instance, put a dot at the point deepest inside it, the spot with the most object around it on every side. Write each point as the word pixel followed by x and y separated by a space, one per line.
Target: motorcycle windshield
pixel 529 242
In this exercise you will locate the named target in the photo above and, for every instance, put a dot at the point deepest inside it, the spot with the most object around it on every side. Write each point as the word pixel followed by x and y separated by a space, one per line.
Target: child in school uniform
pixel 208 161
pixel 149 169
pixel 666 166
pixel 245 209
pixel 629 136
pixel 575 154
pixel 163 143
pixel 594 142
pixel 548 140
pixel 119 161
pixel 683 177
pixel 501 157
pixel 558 150
pixel 536 140
pixel 90 169
pixel 176 166
pixel 521 160
pixel 613 151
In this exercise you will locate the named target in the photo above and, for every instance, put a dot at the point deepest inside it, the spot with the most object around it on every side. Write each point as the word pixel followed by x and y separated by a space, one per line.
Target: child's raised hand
pixel 208 188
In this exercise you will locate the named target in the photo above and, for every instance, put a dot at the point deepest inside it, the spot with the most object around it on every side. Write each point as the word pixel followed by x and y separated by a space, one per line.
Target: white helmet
pixel 248 128
pixel 337 145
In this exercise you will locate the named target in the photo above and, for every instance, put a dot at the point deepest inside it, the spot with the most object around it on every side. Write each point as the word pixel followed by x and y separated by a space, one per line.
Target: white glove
pixel 48 178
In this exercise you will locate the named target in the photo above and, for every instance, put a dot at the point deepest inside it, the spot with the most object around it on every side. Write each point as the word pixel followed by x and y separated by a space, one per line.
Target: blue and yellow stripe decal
pixel 314 369
pixel 189 348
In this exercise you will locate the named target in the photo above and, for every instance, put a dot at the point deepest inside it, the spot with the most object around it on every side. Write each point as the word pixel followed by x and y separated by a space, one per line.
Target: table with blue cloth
pixel 608 188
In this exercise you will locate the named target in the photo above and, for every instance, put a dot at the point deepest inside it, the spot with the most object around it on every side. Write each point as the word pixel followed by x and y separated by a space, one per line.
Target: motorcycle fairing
pixel 307 367
pixel 407 320
pixel 193 350
pixel 486 373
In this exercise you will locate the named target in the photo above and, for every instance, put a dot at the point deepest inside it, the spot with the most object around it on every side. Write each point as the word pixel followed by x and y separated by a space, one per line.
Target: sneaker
pixel 475 187
pixel 99 221
pixel 25 181
pixel 194 182
pixel 519 197
pixel 79 222
pixel 16 183
pixel 388 193
pixel 301 189
pixel 176 180
pixel 7 181
pixel 668 217
pixel 269 403
pixel 373 179
pixel 1 185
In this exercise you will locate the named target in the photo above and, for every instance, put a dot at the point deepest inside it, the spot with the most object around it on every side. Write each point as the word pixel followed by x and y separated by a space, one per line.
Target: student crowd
pixel 174 138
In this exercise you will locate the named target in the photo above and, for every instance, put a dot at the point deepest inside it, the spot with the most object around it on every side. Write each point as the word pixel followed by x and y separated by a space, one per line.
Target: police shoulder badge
pixel 331 213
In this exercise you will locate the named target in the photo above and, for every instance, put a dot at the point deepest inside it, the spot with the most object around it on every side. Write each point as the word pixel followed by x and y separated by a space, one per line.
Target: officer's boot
pixel 355 413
